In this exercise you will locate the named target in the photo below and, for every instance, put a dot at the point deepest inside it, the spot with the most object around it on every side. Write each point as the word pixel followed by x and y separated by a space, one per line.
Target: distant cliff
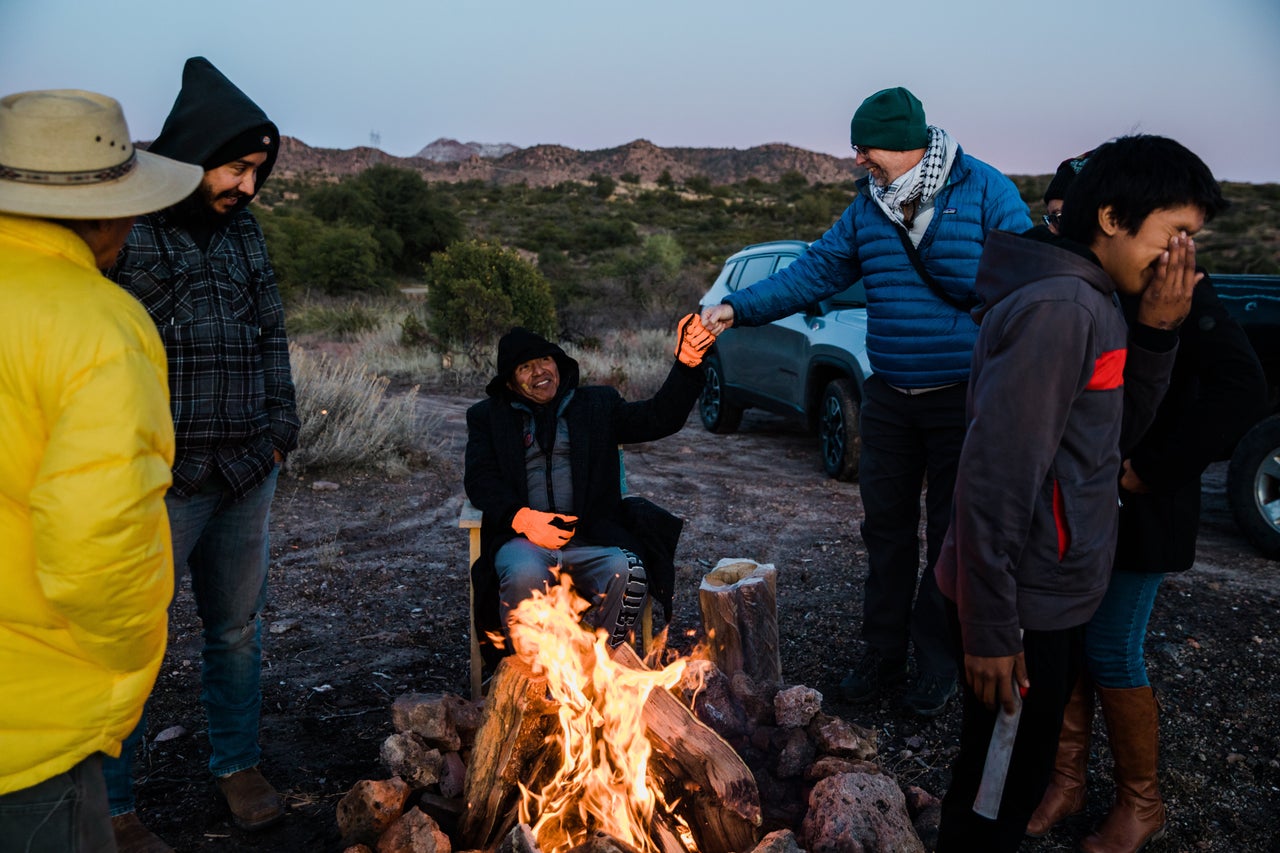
pixel 547 165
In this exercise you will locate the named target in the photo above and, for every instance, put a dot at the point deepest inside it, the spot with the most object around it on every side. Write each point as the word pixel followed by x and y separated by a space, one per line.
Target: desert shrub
pixel 655 264
pixel 338 320
pixel 698 184
pixel 348 421
pixel 409 220
pixel 604 185
pixel 476 291
pixel 308 253
pixel 629 178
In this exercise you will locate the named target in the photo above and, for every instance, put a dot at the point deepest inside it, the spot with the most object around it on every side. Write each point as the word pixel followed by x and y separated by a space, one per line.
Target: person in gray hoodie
pixel 1060 386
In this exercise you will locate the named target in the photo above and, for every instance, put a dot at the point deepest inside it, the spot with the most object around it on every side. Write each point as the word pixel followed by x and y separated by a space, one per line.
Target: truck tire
pixel 717 413
pixel 839 440
pixel 1253 485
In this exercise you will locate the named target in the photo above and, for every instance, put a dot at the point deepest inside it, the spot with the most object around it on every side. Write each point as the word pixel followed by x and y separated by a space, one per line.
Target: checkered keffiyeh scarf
pixel 922 182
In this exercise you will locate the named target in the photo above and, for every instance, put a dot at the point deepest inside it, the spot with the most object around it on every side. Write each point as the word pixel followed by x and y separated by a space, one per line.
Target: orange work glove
pixel 544 529
pixel 692 340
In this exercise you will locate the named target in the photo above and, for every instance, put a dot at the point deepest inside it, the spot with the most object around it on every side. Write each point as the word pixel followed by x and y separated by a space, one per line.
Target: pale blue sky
pixel 1020 84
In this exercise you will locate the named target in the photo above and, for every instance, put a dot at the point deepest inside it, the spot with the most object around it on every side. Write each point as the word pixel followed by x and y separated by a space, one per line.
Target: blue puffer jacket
pixel 914 339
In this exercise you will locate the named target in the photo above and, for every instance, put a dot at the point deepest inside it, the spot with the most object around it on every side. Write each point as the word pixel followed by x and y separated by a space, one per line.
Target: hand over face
pixel 1167 300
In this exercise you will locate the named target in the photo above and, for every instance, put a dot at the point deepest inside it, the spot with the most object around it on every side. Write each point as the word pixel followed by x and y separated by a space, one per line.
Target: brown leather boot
pixel 1138 816
pixel 1065 795
pixel 133 837
pixel 254 803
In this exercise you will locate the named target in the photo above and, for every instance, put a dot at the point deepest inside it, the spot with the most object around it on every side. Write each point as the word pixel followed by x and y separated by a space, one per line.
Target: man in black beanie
pixel 542 464
pixel 200 268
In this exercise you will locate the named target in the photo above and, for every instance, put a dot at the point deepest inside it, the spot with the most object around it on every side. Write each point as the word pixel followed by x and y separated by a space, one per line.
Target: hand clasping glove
pixel 692 340
pixel 544 529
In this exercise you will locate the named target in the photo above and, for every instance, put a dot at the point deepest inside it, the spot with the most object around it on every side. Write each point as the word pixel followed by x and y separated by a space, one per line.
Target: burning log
pixel 511 742
pixel 725 802
pixel 739 602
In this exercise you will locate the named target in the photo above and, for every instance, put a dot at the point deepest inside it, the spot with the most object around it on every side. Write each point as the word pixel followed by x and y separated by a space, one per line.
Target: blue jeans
pixel 1116 634
pixel 225 544
pixel 64 814
pixel 614 583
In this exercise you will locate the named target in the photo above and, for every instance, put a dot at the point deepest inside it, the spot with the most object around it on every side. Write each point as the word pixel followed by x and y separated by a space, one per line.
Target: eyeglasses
pixel 1053 220
pixel 860 150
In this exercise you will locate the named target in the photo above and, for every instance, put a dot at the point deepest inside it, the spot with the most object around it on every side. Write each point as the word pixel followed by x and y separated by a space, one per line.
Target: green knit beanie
pixel 892 119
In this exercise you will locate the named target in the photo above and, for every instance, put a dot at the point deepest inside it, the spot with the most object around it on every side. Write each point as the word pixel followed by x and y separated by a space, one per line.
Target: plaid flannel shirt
pixel 222 322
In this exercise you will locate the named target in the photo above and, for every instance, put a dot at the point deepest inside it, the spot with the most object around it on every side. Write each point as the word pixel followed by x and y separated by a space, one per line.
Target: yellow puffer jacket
pixel 86 567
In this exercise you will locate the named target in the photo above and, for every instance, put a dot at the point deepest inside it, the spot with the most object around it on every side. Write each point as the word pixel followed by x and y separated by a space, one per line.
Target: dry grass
pixel 349 421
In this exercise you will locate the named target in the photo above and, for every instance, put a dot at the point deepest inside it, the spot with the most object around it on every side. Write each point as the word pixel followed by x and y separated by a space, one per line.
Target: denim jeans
pixel 1116 634
pixel 225 545
pixel 64 814
pixel 906 440
pixel 602 575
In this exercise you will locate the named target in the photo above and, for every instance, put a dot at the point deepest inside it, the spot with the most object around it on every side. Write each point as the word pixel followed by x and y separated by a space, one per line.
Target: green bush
pixel 409 220
pixel 476 291
pixel 310 254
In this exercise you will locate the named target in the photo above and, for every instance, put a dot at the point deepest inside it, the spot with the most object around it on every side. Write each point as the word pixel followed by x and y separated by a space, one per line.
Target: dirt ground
pixel 368 601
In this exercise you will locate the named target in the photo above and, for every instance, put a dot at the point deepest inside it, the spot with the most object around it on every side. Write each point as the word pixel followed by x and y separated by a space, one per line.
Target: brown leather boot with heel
pixel 1065 795
pixel 1138 816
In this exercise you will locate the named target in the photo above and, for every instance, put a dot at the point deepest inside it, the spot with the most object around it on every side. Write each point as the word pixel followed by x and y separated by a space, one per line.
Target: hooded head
pixel 521 346
pixel 213 123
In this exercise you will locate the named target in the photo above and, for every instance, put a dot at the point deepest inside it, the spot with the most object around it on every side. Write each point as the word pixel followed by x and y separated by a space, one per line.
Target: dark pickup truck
pixel 1253 476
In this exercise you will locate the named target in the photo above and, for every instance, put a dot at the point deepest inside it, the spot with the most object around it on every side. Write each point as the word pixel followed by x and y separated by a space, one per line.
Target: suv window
pixel 785 261
pixel 755 269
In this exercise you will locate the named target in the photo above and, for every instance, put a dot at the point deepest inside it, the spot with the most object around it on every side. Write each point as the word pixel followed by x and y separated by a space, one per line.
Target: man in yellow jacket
pixel 86 574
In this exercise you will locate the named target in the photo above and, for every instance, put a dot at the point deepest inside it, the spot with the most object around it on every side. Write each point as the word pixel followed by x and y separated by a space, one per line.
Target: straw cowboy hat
pixel 67 154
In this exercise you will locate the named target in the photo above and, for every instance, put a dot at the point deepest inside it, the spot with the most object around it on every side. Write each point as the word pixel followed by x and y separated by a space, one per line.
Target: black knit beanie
pixel 1067 171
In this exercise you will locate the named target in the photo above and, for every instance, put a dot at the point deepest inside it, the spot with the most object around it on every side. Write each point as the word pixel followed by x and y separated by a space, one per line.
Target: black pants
pixel 1054 660
pixel 907 438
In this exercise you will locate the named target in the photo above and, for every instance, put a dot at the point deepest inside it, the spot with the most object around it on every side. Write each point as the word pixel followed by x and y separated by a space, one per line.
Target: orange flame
pixel 603 782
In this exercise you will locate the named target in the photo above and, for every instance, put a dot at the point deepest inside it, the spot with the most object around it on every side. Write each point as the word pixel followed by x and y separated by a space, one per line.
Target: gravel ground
pixel 369 592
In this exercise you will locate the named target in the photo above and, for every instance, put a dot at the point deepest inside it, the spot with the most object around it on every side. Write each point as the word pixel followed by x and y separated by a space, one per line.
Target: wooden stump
pixel 510 748
pixel 739 603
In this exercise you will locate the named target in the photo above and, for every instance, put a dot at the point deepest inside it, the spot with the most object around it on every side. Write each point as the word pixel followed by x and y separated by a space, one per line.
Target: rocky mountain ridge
pixel 548 165
pixel 452 151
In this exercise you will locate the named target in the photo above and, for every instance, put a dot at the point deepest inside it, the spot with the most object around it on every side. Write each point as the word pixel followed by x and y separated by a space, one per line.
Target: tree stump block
pixel 739 603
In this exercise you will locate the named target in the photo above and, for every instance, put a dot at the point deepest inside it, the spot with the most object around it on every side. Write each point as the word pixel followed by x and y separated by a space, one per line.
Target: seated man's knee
pixel 522 568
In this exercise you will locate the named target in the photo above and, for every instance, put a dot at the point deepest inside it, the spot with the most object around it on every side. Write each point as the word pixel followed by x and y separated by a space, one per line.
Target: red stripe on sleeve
pixel 1108 371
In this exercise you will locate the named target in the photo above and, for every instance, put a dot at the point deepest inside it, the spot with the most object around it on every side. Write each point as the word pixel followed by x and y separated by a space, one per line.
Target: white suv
pixel 810 364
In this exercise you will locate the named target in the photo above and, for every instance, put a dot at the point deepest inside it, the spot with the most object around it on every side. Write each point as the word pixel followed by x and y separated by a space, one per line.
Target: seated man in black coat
pixel 542 465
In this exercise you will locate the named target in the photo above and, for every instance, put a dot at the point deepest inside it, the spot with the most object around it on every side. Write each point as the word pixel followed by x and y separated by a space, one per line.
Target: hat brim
pixel 154 183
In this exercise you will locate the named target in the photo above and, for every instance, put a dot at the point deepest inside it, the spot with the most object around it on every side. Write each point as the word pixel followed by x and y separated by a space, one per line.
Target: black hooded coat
pixel 599 420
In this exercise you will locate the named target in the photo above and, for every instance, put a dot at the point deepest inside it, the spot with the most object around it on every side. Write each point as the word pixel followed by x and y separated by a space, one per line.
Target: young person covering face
pixel 1061 383
pixel 1216 392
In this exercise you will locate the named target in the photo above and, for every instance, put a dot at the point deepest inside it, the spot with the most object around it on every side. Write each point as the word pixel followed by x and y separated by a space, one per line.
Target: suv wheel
pixel 838 436
pixel 1253 485
pixel 718 414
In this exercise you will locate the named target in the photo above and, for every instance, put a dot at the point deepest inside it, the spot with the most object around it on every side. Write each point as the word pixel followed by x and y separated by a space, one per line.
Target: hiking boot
pixel 874 671
pixel 930 694
pixel 254 803
pixel 133 837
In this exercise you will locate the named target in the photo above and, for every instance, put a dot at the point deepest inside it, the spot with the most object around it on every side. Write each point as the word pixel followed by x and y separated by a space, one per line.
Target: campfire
pixel 583 748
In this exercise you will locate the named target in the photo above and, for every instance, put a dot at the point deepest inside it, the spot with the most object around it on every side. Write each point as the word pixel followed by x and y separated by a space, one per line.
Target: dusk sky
pixel 1019 84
